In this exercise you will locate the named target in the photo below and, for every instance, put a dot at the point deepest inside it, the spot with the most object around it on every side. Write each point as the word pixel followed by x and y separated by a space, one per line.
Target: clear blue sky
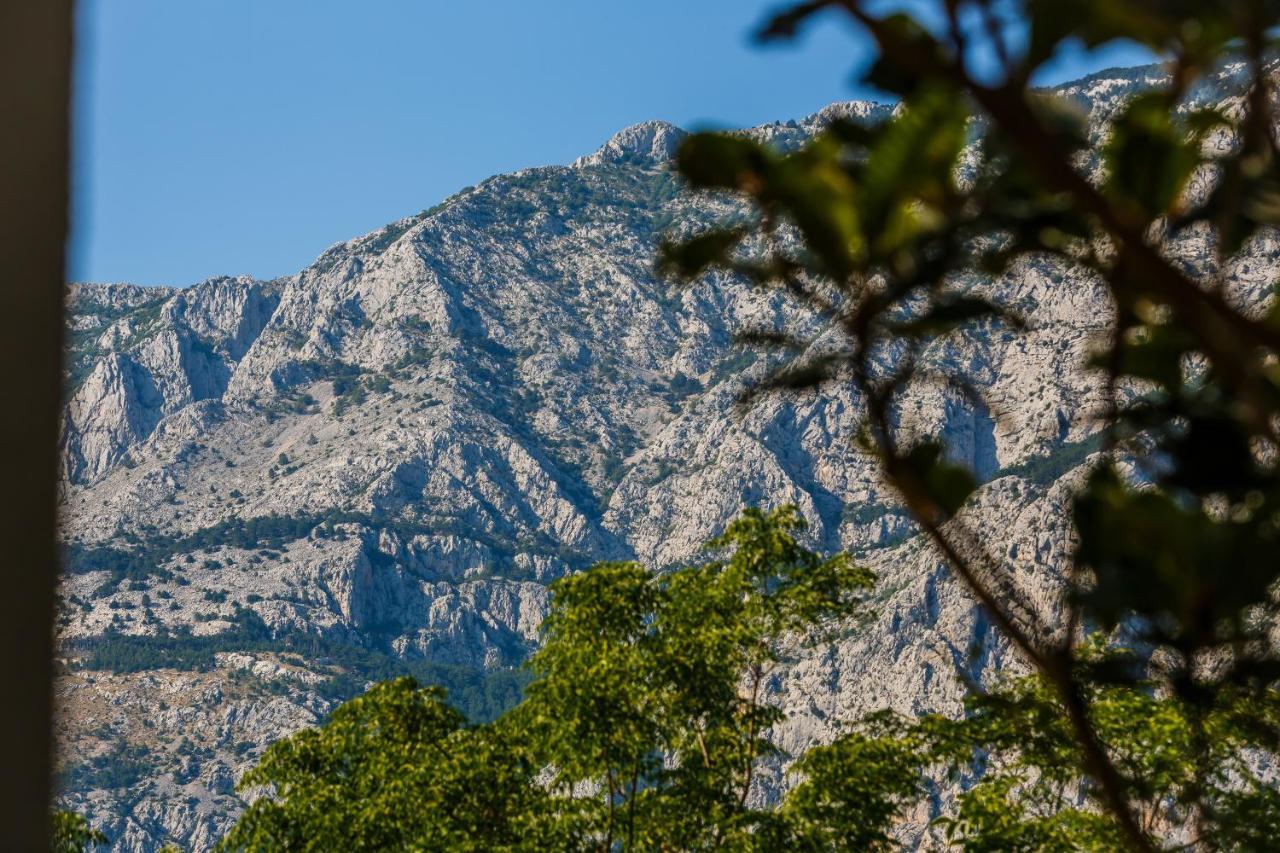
pixel 244 136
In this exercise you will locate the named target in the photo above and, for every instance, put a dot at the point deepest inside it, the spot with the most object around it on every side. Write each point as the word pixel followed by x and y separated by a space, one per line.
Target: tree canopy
pixel 642 729
pixel 649 717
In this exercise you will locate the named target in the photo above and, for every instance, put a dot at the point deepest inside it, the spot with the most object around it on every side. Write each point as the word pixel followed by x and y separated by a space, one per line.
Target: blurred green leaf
pixel 690 258
pixel 819 196
pixel 948 313
pixel 907 178
pixel 947 485
pixel 889 72
pixel 1149 158
pixel 721 161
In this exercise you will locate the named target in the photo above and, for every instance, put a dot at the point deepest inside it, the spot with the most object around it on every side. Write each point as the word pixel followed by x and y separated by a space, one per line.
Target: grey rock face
pixel 651 142
pixel 148 353
pixel 291 487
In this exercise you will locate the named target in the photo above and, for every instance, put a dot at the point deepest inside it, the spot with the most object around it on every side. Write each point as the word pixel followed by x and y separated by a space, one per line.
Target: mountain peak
pixel 654 141
pixel 864 111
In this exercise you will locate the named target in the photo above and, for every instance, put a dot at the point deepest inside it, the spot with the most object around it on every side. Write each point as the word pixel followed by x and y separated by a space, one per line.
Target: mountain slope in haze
pixel 277 491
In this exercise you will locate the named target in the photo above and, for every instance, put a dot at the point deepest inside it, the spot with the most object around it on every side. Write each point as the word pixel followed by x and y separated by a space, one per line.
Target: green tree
pixel 71 833
pixel 1031 787
pixel 643 728
pixel 881 234
pixel 397 769
pixel 647 722
pixel 651 687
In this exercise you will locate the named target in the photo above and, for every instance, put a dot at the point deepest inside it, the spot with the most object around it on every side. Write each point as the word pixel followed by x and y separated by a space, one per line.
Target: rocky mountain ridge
pixel 277 491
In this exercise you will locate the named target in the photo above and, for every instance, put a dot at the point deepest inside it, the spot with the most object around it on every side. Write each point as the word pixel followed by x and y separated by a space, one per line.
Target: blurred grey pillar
pixel 35 87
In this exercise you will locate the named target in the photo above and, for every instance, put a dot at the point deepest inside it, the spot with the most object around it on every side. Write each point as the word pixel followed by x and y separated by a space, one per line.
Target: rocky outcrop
pixel 147 354
pixel 650 142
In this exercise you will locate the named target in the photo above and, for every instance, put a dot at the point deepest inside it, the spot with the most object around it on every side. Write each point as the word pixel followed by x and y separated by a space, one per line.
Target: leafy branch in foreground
pixel 887 235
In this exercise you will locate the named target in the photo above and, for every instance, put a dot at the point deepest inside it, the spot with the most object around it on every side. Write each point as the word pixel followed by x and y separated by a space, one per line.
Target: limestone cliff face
pixel 138 355
pixel 382 461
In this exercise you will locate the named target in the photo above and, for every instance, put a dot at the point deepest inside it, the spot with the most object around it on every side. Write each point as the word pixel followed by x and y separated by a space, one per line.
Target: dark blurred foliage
pixel 881 233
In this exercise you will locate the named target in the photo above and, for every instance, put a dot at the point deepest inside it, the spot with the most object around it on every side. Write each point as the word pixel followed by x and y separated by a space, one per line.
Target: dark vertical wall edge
pixel 35 85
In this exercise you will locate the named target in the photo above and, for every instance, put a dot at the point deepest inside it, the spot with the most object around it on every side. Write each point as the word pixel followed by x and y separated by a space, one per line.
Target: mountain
pixel 277 491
